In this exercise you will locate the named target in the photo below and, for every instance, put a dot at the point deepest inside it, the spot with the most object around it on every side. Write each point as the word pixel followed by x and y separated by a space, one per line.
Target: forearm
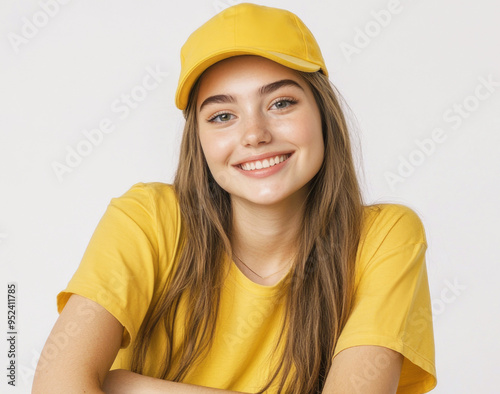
pixel 121 381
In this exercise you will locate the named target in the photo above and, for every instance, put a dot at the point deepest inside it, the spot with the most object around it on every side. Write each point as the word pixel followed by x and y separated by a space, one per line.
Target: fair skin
pixel 262 110
pixel 259 118
pixel 80 362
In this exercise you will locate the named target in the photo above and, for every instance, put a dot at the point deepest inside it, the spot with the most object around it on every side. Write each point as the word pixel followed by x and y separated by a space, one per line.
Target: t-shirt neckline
pixel 251 286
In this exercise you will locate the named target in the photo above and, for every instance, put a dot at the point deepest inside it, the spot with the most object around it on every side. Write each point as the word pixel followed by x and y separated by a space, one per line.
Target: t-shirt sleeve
pixel 120 264
pixel 392 306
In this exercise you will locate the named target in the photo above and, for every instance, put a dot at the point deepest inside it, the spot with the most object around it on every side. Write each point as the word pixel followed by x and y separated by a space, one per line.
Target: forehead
pixel 248 70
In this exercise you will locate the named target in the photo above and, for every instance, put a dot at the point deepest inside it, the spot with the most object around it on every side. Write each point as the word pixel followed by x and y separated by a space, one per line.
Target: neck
pixel 265 237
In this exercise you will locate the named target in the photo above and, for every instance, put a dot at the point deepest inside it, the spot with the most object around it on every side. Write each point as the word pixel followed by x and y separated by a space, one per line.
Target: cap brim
pixel 190 77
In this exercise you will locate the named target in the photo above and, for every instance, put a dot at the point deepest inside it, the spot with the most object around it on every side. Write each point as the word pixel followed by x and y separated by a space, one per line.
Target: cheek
pixel 216 147
pixel 309 133
pixel 217 150
pixel 310 136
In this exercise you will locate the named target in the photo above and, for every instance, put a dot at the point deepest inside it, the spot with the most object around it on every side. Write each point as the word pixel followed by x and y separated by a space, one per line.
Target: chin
pixel 272 196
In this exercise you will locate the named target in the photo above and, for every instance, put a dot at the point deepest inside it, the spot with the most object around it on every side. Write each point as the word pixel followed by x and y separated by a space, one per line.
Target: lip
pixel 266 155
pixel 264 172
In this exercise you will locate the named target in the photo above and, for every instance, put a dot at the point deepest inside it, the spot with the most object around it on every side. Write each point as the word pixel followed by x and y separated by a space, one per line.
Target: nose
pixel 256 131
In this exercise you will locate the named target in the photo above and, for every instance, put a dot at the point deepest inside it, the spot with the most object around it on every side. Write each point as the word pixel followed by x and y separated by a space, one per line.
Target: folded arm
pixel 80 351
pixel 121 381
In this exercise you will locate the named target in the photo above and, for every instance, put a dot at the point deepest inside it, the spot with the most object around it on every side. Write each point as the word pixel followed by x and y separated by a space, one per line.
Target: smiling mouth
pixel 266 163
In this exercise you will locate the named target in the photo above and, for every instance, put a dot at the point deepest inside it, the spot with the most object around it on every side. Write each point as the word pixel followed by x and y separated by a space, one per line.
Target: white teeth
pixel 266 163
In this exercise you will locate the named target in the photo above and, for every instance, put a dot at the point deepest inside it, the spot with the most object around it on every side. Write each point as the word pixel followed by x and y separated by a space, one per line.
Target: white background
pixel 408 79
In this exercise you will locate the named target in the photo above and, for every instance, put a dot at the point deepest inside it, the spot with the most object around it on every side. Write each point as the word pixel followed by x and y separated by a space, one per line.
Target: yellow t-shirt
pixel 135 244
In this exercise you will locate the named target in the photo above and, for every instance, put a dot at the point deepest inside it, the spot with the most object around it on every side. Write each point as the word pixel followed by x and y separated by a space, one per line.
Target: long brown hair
pixel 320 285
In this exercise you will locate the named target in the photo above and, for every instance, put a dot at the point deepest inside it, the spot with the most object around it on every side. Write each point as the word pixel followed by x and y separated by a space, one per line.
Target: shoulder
pixel 388 227
pixel 154 207
pixel 153 204
pixel 155 197
pixel 155 192
pixel 397 220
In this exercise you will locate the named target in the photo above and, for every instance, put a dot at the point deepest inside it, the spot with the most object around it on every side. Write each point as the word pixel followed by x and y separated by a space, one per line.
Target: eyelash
pixel 288 100
pixel 216 115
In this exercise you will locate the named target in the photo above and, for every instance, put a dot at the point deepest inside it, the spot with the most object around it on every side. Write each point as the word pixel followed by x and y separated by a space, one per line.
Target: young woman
pixel 259 269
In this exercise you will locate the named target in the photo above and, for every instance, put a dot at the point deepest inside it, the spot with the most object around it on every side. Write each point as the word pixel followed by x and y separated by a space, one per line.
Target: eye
pixel 283 103
pixel 220 117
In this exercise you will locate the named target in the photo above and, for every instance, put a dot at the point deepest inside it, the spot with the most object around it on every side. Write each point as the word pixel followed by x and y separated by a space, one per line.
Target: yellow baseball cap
pixel 248 29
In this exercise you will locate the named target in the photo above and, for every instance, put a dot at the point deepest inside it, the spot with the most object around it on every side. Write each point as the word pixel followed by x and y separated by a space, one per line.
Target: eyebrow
pixel 266 89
